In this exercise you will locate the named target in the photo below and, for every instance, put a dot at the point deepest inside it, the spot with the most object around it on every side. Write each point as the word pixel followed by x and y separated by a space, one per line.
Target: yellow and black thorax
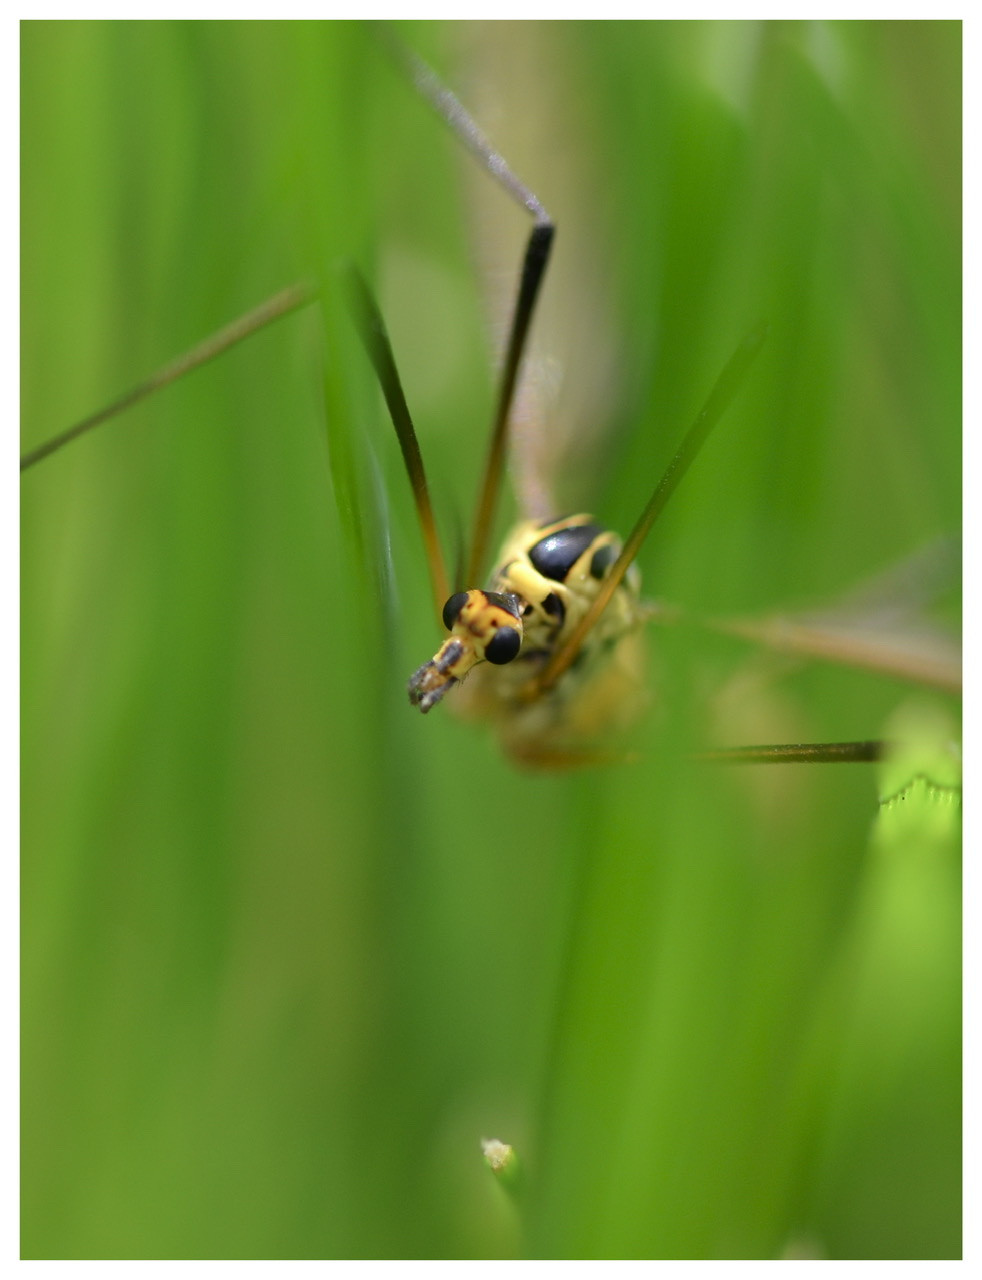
pixel 549 574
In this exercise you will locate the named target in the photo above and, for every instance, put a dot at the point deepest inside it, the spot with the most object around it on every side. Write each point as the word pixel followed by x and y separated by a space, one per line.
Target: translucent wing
pixel 883 625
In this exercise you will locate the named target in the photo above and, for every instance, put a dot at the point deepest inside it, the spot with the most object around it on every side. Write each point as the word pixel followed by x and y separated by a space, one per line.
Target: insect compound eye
pixel 503 646
pixel 451 610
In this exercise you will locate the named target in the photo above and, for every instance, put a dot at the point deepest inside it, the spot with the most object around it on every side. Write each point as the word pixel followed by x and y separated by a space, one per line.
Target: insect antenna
pixel 280 304
pixel 534 264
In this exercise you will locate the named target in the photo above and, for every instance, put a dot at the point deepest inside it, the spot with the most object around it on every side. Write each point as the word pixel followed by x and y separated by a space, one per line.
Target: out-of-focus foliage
pixel 290 950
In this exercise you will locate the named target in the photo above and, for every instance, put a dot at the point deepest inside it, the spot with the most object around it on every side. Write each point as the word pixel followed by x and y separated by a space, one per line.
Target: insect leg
pixel 535 261
pixel 280 304
pixel 375 339
pixel 799 753
pixel 726 387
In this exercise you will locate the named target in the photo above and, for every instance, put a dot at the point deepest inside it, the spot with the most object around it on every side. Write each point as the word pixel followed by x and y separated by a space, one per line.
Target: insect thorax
pixel 556 570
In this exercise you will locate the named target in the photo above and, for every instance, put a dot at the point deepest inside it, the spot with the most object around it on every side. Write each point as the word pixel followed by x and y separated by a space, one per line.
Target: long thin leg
pixel 779 753
pixel 280 304
pixel 533 269
pixel 534 264
pixel 727 385
pixel 371 329
pixel 799 753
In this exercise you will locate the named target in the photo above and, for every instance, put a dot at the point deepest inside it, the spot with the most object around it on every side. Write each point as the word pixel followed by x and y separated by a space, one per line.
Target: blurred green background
pixel 291 951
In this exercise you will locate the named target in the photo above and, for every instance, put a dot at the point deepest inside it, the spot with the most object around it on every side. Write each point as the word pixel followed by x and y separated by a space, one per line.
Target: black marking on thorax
pixel 602 559
pixel 555 555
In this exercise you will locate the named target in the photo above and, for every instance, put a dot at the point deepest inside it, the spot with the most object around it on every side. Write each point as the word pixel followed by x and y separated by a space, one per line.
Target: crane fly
pixel 549 651
pixel 252 871
pixel 563 610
